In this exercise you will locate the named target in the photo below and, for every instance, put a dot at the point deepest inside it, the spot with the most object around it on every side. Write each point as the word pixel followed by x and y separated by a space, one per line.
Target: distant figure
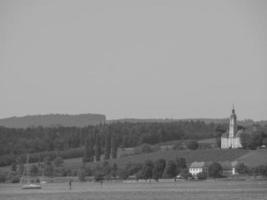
pixel 70 182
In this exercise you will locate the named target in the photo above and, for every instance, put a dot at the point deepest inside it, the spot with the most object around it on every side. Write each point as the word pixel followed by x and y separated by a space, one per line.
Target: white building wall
pixel 195 171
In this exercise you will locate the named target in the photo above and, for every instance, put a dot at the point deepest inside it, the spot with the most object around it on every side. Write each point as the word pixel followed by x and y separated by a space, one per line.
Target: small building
pixel 198 167
pixel 229 168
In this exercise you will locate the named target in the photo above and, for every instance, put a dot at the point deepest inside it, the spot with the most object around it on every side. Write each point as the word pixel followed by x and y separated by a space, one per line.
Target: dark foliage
pixel 69 142
pixel 215 170
pixel 192 144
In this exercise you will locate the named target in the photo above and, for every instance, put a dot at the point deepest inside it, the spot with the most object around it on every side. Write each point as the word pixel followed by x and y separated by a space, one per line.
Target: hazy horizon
pixel 134 59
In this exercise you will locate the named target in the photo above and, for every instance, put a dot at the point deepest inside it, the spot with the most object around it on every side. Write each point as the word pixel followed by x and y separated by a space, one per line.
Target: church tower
pixel 232 124
pixel 231 139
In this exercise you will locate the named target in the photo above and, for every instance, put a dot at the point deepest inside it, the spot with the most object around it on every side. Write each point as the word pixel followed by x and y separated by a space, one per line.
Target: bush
pixel 215 170
pixel 192 144
pixel 13 177
pixel 170 169
pixel 260 170
pixel 251 139
pixel 202 176
pixel 2 177
pixel 241 168
pixel 99 177
pixel 81 175
pixel 185 174
pixel 146 148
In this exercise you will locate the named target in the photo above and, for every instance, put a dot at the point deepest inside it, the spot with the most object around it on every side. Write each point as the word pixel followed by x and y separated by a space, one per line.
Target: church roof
pixel 197 164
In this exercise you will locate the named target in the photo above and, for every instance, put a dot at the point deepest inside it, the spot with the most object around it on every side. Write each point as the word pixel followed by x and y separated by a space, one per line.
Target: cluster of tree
pixel 50 167
pixel 101 171
pixel 94 146
pixel 12 159
pixel 147 170
pixel 253 137
pixel 154 170
pixel 260 170
pixel 14 142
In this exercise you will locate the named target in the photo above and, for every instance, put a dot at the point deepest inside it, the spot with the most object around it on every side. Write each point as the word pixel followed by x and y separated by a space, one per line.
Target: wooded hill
pixel 53 120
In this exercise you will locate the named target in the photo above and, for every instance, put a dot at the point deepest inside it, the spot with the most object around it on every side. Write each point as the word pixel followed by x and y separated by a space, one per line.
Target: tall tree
pixel 215 170
pixel 107 137
pixel 97 147
pixel 158 169
pixel 170 169
pixel 89 150
pixel 180 165
pixel 114 147
pixel 147 170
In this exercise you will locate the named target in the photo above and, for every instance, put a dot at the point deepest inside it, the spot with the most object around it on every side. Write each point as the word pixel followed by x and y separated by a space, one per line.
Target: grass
pixel 184 190
pixel 255 158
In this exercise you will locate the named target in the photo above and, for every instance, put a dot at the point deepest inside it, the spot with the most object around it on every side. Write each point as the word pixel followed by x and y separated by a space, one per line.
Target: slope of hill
pixel 53 120
pixel 254 158
pixel 189 155
pixel 251 158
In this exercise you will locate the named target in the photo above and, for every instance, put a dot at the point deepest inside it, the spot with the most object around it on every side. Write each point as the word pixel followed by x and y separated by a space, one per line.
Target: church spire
pixel 233 110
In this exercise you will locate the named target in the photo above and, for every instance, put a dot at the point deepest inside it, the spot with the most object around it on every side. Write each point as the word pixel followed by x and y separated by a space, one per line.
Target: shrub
pixel 170 169
pixel 241 168
pixel 2 177
pixel 192 144
pixel 146 148
pixel 185 174
pixel 13 177
pixel 215 170
pixel 81 174
pixel 202 176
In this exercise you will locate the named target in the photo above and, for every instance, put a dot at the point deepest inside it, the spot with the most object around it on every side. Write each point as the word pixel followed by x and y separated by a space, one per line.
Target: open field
pixel 193 190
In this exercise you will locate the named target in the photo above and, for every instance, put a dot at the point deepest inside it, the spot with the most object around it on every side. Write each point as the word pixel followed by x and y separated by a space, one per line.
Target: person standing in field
pixel 70 183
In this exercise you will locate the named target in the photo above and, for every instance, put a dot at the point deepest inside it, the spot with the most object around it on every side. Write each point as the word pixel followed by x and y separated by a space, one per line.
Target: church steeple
pixel 233 123
pixel 233 110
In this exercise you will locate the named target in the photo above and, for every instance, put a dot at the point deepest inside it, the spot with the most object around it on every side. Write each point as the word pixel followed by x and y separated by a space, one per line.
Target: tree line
pixel 97 140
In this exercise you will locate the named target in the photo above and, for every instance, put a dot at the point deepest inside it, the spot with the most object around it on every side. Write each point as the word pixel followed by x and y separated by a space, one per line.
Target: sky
pixel 134 59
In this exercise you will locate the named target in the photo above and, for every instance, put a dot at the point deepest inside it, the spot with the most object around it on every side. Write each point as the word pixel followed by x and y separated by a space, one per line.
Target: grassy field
pixel 255 158
pixel 184 190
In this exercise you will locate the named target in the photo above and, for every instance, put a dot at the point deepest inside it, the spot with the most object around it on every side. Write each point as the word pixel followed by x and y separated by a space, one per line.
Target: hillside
pixel 254 158
pixel 53 120
pixel 189 155
pixel 250 158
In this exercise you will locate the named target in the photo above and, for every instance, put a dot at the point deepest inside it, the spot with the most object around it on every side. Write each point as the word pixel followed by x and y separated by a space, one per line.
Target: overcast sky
pixel 142 59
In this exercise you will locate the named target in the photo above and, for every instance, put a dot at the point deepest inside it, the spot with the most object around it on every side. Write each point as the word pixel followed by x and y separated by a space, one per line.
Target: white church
pixel 231 139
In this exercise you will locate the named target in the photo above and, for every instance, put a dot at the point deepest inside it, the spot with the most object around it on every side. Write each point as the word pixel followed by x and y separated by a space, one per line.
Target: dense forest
pixel 69 141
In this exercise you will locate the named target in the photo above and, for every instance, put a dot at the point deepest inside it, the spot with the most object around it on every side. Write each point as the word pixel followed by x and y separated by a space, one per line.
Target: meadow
pixel 182 190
